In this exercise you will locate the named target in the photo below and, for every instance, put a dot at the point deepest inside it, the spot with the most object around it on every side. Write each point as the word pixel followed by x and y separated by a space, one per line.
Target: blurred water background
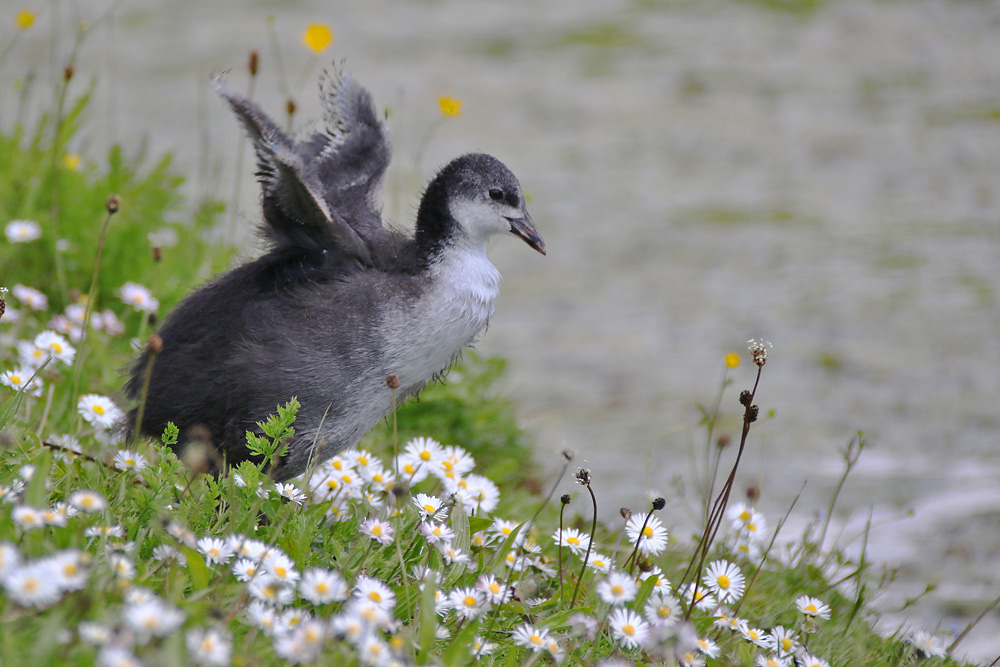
pixel 823 175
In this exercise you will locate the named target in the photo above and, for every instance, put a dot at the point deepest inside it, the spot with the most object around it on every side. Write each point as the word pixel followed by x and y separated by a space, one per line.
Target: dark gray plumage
pixel 338 302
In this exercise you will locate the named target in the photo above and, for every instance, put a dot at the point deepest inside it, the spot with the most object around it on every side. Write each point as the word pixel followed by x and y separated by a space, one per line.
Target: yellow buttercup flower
pixel 732 360
pixel 450 106
pixel 317 37
pixel 72 161
pixel 25 19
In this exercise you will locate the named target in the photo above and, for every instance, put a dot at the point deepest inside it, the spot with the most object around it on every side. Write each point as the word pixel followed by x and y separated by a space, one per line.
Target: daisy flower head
pixel 810 660
pixel 927 644
pixel 87 501
pixel 453 463
pixel 380 531
pixel 698 596
pixel 22 379
pixel 215 550
pixel 756 636
pixel 320 586
pixel 495 591
pixel 10 558
pixel 628 628
pixel 652 538
pixel 154 618
pixel 662 584
pixel 28 517
pixel 663 611
pixel 436 533
pixel 468 603
pixel 783 640
pixel 430 507
pixel 55 346
pixel 281 567
pixel 271 590
pixel 30 297
pixel 724 580
pixel 502 529
pixel 450 106
pixel 599 562
pixel 31 355
pixel 572 539
pixel 531 637
pixel 374 591
pixel 707 647
pixel 425 450
pixel 617 588
pixel 209 646
pixel 22 231
pixel 33 585
pixel 291 492
pixel 245 569
pixel 772 661
pixel 812 607
pixel 99 411
pixel 475 492
pixel 126 459
pixel 139 297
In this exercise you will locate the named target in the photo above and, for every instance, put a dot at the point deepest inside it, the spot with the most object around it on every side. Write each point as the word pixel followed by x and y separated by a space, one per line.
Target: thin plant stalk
pixel 590 544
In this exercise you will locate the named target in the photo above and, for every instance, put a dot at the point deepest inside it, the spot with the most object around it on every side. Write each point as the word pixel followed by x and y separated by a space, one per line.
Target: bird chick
pixel 338 302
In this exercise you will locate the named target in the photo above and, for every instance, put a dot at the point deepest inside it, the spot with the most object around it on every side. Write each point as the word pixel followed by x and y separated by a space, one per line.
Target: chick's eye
pixel 496 194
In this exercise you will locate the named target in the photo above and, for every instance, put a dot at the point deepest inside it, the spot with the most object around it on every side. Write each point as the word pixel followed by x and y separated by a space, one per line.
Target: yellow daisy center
pixel 723 581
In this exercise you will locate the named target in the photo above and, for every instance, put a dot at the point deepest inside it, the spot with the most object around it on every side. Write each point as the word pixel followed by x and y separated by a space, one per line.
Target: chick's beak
pixel 525 228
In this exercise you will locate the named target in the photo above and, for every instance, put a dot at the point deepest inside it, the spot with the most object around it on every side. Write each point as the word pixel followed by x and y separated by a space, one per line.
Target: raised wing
pixel 352 155
pixel 296 207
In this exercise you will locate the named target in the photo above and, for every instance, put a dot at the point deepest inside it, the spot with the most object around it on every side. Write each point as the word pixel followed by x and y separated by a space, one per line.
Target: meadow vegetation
pixel 436 541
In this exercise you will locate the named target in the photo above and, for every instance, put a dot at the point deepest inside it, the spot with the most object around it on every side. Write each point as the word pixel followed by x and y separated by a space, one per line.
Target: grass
pixel 119 553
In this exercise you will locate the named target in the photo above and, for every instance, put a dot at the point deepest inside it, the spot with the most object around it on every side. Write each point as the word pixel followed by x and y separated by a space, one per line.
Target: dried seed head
pixel 752 414
pixel 157 253
pixel 568 455
pixel 745 397
pixel 68 72
pixel 154 345
pixel 3 303
pixel 625 512
pixel 659 503
pixel 723 441
pixel 290 107
pixel 753 493
pixel 565 499
pixel 254 61
pixel 113 204
pixel 759 348
pixel 583 476
pixel 392 380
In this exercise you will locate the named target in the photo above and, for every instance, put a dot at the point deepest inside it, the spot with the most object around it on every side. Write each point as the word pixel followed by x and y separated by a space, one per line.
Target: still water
pixel 703 173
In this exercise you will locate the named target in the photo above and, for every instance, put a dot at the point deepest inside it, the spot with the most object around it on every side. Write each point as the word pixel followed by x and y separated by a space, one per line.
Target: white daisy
pixel 373 590
pixel 321 586
pixel 572 539
pixel 291 492
pixel 22 231
pixel 22 379
pixel 531 637
pixel 139 297
pixel 725 580
pixel 215 550
pixel 126 459
pixel 87 501
pixel 812 607
pixel 653 536
pixel 209 646
pixel 30 297
pixel 99 411
pixel 617 588
pixel 380 531
pixel 468 603
pixel 430 507
pixel 55 346
pixel 628 628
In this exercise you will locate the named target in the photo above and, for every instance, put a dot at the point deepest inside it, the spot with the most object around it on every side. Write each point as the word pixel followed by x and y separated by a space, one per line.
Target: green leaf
pixel 196 567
